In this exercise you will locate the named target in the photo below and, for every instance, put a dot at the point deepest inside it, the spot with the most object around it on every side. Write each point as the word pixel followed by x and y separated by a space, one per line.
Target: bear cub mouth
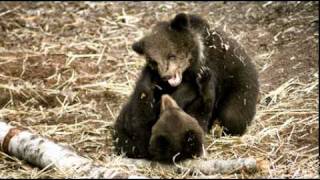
pixel 175 80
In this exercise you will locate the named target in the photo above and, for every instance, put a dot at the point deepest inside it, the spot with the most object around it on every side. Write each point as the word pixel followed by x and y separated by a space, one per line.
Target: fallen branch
pixel 207 167
pixel 45 153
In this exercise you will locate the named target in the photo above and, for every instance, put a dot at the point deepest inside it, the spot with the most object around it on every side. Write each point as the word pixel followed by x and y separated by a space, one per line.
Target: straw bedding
pixel 66 68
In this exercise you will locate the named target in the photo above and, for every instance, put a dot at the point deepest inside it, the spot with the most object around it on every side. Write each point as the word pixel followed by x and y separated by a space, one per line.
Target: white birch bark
pixel 43 153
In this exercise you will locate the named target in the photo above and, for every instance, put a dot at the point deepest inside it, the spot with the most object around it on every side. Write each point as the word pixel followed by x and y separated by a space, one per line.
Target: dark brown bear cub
pixel 176 52
pixel 176 135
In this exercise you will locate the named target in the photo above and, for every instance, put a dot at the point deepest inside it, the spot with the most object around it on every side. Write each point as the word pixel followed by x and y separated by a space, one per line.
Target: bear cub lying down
pixel 208 74
pixel 175 134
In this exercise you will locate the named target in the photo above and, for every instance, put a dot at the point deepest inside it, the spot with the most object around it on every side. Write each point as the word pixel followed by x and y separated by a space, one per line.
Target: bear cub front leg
pixel 205 82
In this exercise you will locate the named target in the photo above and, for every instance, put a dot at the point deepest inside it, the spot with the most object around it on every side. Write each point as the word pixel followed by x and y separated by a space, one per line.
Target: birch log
pixel 44 153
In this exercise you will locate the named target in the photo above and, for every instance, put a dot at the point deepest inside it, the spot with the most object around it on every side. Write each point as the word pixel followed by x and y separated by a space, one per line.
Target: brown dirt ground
pixel 66 68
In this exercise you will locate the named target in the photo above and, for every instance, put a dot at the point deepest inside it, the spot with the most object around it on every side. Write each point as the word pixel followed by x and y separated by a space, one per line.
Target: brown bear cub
pixel 208 74
pixel 176 135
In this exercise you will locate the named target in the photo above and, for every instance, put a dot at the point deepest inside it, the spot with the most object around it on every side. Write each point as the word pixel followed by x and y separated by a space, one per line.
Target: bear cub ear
pixel 138 47
pixel 167 102
pixel 180 22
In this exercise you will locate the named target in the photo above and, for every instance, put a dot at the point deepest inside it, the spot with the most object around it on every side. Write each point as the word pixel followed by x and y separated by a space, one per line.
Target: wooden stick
pixel 207 167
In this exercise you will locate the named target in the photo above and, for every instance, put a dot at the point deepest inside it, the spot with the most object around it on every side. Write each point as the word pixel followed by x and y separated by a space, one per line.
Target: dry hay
pixel 66 69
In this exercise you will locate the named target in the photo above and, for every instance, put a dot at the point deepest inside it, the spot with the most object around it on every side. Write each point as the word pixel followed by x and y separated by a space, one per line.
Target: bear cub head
pixel 176 135
pixel 173 46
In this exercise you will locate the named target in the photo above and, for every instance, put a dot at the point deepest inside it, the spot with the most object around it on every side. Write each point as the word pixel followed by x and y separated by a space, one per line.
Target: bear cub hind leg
pixel 236 112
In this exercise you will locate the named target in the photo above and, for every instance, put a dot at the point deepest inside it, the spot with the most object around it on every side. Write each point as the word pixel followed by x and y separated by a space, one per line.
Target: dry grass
pixel 67 68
